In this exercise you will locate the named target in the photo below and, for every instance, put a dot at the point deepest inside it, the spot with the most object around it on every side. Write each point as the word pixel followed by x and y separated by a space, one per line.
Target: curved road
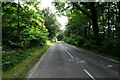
pixel 65 61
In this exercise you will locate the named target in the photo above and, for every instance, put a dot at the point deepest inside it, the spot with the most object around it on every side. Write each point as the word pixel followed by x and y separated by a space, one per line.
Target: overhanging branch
pixel 77 6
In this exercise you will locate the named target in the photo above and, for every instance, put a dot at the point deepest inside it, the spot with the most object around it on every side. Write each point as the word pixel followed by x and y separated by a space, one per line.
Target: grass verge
pixel 21 70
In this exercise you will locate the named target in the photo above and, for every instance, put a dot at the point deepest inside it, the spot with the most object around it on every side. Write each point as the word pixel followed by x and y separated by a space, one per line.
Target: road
pixel 65 61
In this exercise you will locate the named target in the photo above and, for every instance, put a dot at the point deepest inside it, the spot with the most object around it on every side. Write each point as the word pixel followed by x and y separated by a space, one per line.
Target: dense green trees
pixel 24 26
pixel 92 25
pixel 51 24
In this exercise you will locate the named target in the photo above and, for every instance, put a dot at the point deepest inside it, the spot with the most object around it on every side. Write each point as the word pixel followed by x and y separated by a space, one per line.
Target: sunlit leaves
pixel 51 23
pixel 30 27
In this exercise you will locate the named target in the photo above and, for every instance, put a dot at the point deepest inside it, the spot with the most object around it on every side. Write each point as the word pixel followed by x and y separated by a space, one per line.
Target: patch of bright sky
pixel 48 3
pixel 61 19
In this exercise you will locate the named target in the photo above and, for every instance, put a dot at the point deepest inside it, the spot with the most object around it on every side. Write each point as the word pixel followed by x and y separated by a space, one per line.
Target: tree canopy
pixel 92 25
pixel 25 26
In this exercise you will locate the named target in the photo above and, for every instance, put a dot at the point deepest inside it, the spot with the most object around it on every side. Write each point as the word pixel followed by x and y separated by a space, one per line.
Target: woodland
pixel 92 26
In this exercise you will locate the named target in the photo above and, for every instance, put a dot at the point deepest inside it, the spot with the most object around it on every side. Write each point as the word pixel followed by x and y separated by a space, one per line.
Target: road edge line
pixel 105 57
pixel 95 54
pixel 36 65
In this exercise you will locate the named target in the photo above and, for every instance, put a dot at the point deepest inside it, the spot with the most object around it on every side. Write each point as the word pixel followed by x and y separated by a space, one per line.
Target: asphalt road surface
pixel 64 61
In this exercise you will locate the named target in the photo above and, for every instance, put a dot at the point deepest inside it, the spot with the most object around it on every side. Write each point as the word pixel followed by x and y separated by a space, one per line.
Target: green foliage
pixel 51 23
pixel 112 46
pixel 24 27
pixel 22 68
pixel 60 35
pixel 75 40
pixel 93 26
pixel 12 57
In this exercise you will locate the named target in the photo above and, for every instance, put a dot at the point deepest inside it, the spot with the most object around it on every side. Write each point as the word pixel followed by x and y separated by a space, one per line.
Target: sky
pixel 45 4
pixel 61 19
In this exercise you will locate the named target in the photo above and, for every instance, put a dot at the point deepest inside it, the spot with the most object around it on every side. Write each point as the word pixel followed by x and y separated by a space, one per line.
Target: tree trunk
pixel 118 4
pixel 95 22
pixel 103 36
pixel 108 20
pixel 119 11
pixel 18 13
pixel 85 32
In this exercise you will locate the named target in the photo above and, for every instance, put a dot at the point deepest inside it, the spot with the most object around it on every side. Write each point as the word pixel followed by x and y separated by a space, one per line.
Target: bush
pixel 75 40
pixel 12 57
pixel 79 41
pixel 111 46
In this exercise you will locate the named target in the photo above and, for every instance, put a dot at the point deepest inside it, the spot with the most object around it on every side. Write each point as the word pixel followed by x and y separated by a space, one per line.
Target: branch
pixel 77 6
pixel 65 8
pixel 85 5
pixel 115 23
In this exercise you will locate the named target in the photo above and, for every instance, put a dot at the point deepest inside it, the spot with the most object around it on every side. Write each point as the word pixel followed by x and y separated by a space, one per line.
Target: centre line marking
pixel 89 74
pixel 68 53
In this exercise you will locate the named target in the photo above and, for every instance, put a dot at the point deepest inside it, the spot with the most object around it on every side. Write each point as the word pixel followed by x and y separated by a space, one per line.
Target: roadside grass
pixel 21 69
pixel 97 52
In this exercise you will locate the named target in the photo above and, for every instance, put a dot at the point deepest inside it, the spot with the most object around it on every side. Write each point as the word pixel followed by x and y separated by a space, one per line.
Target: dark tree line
pixel 92 25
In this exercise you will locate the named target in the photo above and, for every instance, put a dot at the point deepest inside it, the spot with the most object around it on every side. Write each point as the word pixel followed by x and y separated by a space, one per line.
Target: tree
pixel 92 25
pixel 51 23
pixel 25 29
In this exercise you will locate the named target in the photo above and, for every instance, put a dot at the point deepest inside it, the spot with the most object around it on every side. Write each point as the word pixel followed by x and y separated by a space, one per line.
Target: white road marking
pixel 89 74
pixel 69 53
pixel 106 58
pixel 109 66
pixel 82 61
pixel 77 62
pixel 96 54
pixel 36 66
